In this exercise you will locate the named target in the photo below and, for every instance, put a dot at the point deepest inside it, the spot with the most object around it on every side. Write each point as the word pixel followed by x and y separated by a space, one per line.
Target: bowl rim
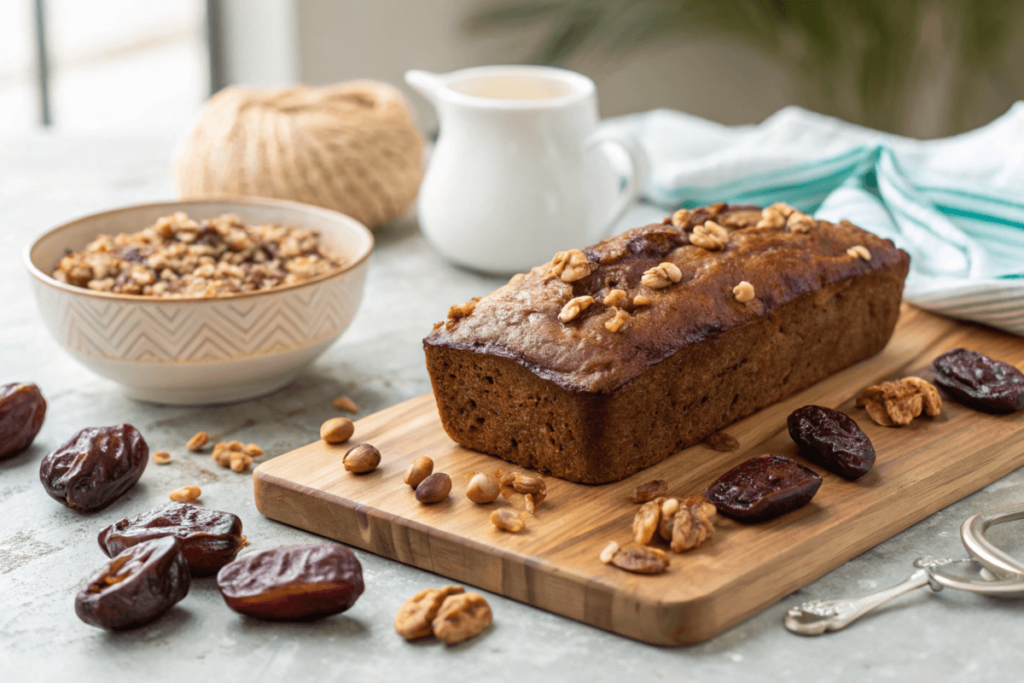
pixel 235 199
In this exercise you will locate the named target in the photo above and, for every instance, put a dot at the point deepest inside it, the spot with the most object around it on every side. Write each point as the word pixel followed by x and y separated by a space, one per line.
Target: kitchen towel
pixel 956 205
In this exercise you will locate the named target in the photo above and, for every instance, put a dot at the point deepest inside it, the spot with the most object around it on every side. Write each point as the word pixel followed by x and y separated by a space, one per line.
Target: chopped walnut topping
pixel 892 404
pixel 782 207
pixel 573 308
pixel 609 552
pixel 771 218
pixel 458 311
pixel 661 276
pixel 614 298
pixel 800 222
pixel 645 523
pixel 744 292
pixel 179 258
pixel 570 266
pixel 859 251
pixel 681 218
pixel 619 321
pixel 641 301
pixel 516 278
pixel 710 236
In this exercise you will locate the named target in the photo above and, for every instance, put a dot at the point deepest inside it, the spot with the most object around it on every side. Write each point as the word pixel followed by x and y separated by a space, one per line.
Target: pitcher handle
pixel 636 177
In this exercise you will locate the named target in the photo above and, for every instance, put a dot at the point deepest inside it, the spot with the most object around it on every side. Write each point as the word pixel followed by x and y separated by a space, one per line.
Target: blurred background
pixel 924 68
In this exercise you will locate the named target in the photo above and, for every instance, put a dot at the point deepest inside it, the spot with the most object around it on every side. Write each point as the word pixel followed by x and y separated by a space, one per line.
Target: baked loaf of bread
pixel 609 359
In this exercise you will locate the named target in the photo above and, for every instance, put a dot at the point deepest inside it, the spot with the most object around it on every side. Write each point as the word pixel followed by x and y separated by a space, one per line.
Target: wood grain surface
pixel 554 563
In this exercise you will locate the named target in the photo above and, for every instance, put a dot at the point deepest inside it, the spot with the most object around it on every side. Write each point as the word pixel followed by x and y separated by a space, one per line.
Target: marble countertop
pixel 47 551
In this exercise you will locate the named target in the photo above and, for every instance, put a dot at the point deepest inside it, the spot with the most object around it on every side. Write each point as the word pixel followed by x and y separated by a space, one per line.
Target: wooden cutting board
pixel 554 563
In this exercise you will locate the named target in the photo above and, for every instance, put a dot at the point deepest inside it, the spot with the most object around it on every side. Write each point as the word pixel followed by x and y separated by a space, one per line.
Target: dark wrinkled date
pixel 980 382
pixel 293 583
pixel 763 487
pixel 833 440
pixel 209 539
pixel 22 411
pixel 95 467
pixel 135 587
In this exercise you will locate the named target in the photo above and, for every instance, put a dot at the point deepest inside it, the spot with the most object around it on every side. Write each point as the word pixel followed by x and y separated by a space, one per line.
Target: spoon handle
pixel 815 617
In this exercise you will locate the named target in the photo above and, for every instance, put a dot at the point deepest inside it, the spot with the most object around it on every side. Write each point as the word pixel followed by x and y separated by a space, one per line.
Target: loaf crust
pixel 584 403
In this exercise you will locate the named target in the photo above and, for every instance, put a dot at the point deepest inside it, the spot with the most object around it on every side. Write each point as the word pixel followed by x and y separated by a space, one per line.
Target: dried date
pixel 209 539
pixel 95 467
pixel 763 487
pixel 293 583
pixel 135 587
pixel 22 411
pixel 980 382
pixel 833 440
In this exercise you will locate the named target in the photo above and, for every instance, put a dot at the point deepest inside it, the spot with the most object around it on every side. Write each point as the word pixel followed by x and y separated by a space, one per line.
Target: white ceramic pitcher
pixel 520 171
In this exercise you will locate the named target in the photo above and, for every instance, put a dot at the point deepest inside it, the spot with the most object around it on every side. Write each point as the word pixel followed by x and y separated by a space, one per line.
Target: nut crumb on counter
pixel 185 494
pixel 346 404
pixel 198 442
pixel 161 457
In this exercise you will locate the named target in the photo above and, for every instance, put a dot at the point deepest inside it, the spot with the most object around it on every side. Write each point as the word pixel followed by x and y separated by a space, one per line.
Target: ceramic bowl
pixel 197 351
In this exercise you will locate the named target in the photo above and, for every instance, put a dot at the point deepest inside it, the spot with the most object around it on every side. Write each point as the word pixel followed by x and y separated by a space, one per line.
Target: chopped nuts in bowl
pixel 206 301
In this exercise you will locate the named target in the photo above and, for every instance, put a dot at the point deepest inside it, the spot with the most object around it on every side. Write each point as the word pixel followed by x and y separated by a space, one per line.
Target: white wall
pixel 345 39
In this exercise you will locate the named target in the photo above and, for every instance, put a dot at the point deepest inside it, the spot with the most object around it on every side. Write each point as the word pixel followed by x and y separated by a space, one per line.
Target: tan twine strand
pixel 352 147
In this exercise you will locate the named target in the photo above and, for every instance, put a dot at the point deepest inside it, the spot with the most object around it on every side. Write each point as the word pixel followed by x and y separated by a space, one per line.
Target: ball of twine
pixel 352 147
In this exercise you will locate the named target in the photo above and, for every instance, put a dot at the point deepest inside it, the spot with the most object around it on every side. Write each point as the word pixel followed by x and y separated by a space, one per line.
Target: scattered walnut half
pixel 661 276
pixel 415 615
pixel 461 617
pixel 645 523
pixel 532 487
pixel 691 524
pixel 509 520
pixel 161 457
pixel 744 292
pixel 641 559
pixel 710 236
pixel 896 403
pixel 618 321
pixel 649 491
pixel 573 308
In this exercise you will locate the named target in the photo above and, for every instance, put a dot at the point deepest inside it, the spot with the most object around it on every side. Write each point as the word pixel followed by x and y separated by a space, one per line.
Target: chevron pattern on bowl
pixel 214 350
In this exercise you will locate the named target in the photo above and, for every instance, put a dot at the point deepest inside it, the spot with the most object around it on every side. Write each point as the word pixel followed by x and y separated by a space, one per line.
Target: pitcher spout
pixel 425 83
